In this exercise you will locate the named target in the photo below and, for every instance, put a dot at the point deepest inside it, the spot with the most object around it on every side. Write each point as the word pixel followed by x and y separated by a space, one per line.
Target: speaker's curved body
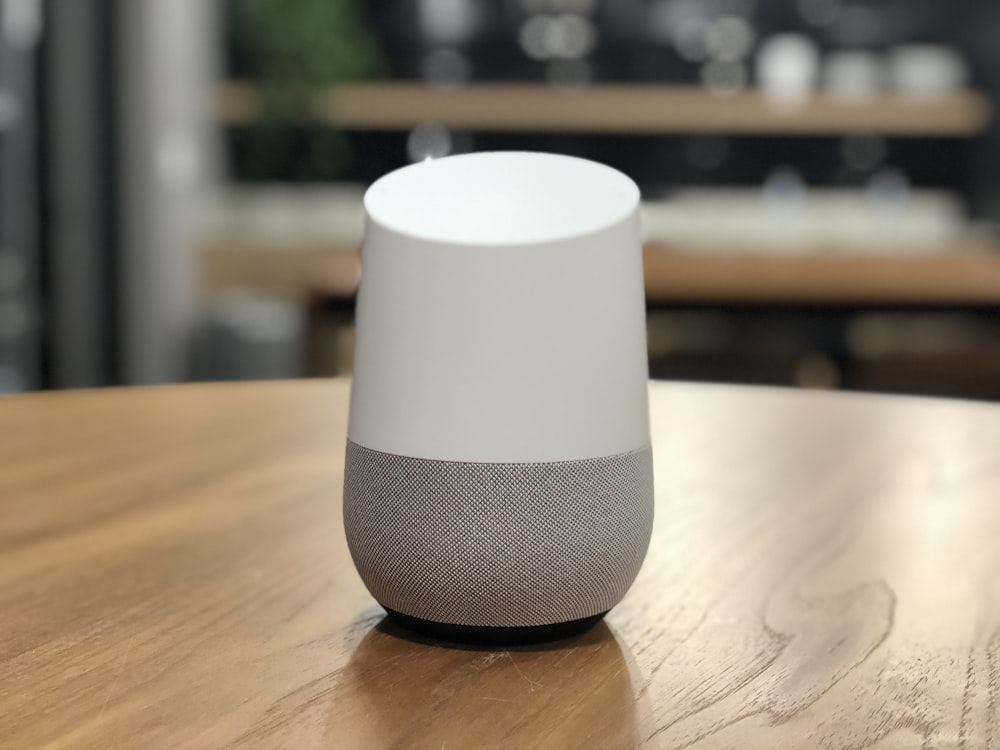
pixel 498 475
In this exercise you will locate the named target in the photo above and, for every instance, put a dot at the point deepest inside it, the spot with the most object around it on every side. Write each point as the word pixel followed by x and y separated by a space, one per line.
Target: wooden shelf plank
pixel 961 278
pixel 624 108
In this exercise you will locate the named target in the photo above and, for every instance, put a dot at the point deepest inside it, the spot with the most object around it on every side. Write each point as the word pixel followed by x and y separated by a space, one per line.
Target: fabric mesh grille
pixel 500 545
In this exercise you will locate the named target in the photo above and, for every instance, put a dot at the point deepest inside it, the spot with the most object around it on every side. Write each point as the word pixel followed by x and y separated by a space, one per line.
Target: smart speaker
pixel 498 482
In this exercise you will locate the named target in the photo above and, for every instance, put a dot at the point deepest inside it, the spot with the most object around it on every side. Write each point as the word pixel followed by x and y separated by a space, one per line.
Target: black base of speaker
pixel 488 636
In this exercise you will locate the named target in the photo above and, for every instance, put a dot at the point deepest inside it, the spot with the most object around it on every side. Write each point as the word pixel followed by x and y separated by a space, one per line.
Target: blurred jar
pixel 927 70
pixel 853 75
pixel 788 67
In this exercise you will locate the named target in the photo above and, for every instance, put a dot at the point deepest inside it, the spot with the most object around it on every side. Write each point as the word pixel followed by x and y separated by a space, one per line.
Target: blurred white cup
pixel 788 67
pixel 853 74
pixel 927 69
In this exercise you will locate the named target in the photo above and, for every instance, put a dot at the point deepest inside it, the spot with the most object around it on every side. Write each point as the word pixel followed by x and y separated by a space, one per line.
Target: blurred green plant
pixel 293 49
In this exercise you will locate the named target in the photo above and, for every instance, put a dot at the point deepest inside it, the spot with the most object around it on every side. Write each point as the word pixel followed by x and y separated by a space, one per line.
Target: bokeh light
pixel 785 190
pixel 889 192
pixel 788 67
pixel 706 152
pixel 444 68
pixel 428 140
pixel 730 38
pixel 691 39
pixel 449 22
pixel 724 78
pixel 569 74
pixel 567 36
pixel 863 151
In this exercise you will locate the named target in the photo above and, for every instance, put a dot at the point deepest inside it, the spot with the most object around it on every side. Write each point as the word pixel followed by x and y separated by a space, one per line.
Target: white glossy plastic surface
pixel 501 313
pixel 501 198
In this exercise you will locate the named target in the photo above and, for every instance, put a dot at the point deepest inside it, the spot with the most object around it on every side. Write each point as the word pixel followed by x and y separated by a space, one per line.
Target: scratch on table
pixel 532 684
pixel 566 654
pixel 488 659
pixel 114 682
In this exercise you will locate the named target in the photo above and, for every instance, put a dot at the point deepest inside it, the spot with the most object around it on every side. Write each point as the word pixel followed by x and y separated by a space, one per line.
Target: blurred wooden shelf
pixel 963 278
pixel 623 108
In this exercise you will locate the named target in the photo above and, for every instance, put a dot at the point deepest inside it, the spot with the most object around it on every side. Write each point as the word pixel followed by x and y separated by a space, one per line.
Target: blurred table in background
pixel 173 572
pixel 890 291
pixel 922 323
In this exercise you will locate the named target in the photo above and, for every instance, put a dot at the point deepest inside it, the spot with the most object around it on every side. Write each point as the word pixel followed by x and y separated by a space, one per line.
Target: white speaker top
pixel 501 198
pixel 501 315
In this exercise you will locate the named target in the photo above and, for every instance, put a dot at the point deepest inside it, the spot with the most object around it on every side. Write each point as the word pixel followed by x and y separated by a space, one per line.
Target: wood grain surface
pixel 824 572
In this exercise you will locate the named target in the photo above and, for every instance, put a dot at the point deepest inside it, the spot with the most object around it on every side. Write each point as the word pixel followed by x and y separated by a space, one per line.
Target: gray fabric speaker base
pixel 490 636
pixel 497 545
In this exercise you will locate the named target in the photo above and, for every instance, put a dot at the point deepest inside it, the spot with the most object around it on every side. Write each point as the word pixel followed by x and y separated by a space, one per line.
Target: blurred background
pixel 182 179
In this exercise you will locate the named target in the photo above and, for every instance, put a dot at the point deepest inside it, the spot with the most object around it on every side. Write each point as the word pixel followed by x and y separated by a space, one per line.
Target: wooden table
pixel 825 572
